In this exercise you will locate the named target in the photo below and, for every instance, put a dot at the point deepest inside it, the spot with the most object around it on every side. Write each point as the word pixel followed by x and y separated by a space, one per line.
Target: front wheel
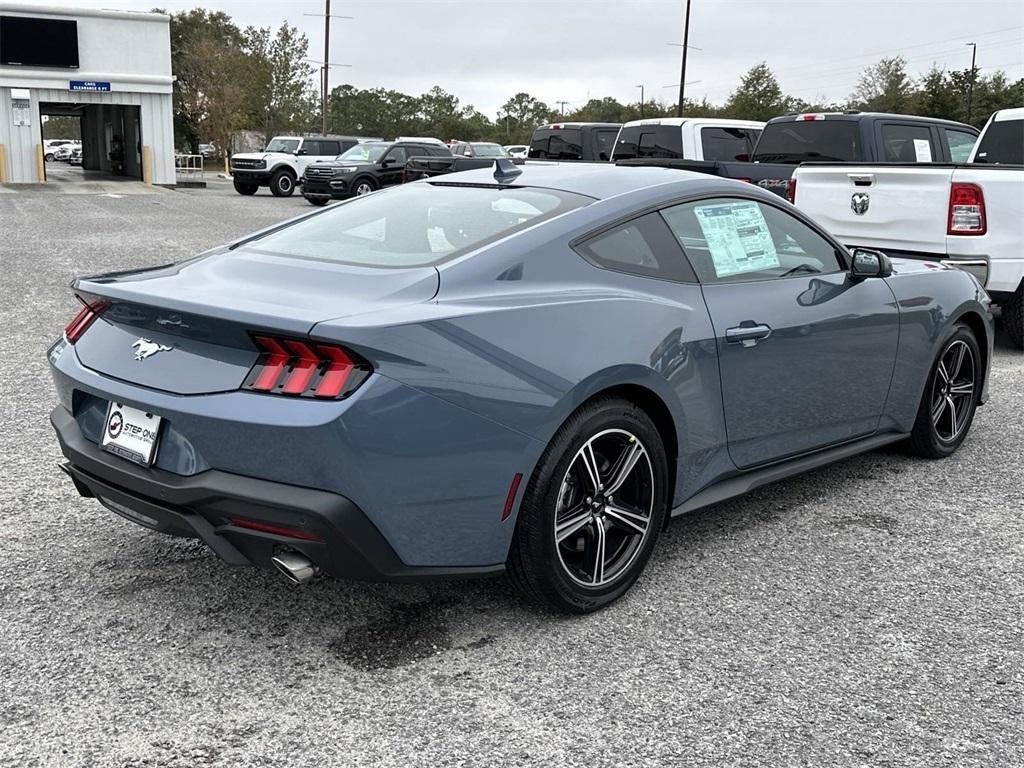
pixel 364 187
pixel 317 201
pixel 49 157
pixel 245 188
pixel 592 510
pixel 282 184
pixel 950 397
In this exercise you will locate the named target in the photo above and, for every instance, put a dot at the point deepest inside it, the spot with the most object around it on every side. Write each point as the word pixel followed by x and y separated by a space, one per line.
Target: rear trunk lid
pixel 187 328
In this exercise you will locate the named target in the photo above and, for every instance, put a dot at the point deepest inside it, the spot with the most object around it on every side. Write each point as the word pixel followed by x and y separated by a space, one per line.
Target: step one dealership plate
pixel 131 434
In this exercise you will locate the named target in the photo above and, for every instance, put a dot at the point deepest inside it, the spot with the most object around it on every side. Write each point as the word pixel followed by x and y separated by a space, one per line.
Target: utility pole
pixel 325 65
pixel 970 86
pixel 561 107
pixel 682 73
pixel 641 100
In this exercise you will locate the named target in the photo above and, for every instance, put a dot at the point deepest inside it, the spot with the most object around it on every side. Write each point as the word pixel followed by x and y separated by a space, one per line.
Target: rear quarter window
pixel 662 141
pixel 557 144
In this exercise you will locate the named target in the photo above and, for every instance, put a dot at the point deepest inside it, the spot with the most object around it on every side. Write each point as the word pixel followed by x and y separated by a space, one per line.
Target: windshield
pixel 282 145
pixel 364 153
pixel 489 150
pixel 417 224
pixel 800 140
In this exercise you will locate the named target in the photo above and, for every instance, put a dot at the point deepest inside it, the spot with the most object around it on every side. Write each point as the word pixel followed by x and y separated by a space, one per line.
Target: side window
pixel 642 246
pixel 733 240
pixel 331 148
pixel 398 155
pixel 907 143
pixel 605 141
pixel 725 143
pixel 347 144
pixel 960 144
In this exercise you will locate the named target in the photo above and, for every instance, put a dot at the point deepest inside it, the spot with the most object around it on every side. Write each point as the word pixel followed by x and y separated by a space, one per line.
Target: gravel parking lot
pixel 867 614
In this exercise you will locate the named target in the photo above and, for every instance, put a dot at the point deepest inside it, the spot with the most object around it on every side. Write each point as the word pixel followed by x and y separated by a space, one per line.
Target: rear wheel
pixel 244 188
pixel 950 397
pixel 282 183
pixel 1013 317
pixel 593 509
pixel 49 157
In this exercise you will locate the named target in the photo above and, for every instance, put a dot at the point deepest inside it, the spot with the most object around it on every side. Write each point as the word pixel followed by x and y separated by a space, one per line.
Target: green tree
pixel 758 97
pixel 885 87
pixel 284 80
pixel 61 127
pixel 520 115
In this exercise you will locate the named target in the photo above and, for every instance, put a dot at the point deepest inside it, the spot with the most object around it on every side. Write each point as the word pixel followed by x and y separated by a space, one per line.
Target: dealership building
pixel 110 69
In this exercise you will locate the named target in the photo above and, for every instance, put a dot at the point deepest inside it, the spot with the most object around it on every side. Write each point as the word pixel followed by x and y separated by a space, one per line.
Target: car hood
pixel 260 155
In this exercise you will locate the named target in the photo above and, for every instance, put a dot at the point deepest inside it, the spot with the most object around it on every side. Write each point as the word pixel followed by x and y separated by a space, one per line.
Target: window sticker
pixel 923 150
pixel 737 236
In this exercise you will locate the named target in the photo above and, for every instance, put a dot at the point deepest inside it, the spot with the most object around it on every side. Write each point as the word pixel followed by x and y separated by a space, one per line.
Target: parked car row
pixel 60 149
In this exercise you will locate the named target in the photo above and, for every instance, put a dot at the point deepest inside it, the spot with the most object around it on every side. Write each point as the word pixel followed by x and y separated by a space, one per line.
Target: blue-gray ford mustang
pixel 521 369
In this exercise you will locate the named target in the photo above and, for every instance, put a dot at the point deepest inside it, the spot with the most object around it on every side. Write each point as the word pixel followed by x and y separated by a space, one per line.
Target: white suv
pixel 280 166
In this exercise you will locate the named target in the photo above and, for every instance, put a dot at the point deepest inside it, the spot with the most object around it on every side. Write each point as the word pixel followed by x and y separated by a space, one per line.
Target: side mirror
pixel 389 161
pixel 301 152
pixel 868 263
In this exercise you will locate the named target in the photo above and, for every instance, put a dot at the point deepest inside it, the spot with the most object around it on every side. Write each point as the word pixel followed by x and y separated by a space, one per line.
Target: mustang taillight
pixel 966 210
pixel 304 368
pixel 80 323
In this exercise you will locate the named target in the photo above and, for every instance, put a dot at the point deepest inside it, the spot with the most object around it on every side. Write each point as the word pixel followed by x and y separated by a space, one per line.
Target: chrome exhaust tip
pixel 298 569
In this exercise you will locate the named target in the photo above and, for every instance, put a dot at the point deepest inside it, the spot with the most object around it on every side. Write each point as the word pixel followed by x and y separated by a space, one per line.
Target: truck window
pixel 557 144
pixel 907 144
pixel 960 144
pixel 649 141
pixel 1002 142
pixel 726 143
pixel 800 140
pixel 605 141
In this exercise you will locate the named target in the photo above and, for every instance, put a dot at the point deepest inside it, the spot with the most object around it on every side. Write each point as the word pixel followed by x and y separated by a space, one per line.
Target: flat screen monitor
pixel 35 42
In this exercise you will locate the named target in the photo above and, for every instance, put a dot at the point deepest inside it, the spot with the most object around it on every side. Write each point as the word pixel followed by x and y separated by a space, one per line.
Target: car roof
pixel 854 116
pixel 596 180
pixel 1015 113
pixel 556 126
pixel 727 122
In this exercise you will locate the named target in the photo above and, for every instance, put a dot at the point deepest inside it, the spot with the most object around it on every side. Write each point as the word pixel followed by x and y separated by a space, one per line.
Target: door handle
pixel 747 335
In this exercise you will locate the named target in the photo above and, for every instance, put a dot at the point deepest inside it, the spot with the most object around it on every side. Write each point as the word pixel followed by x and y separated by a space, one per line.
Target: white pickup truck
pixel 686 138
pixel 971 216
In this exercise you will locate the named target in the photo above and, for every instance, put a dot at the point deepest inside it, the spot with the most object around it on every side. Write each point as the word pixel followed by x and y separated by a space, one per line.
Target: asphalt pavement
pixel 866 614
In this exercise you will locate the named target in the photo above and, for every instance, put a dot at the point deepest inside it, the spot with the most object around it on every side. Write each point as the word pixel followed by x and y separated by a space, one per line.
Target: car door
pixel 806 353
pixel 391 172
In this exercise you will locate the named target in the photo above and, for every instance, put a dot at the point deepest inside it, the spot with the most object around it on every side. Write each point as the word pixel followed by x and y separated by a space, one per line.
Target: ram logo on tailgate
pixel 859 203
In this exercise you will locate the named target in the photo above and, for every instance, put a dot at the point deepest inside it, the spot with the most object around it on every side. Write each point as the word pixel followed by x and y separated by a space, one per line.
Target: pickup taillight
pixel 966 210
pixel 791 191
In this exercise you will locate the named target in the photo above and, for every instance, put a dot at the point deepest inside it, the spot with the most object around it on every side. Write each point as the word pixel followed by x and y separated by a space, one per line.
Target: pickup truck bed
pixel 968 215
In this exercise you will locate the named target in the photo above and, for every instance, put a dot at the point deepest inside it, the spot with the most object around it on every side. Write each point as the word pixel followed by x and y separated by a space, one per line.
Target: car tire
pixel 317 201
pixel 950 396
pixel 363 186
pixel 1013 317
pixel 244 188
pixel 553 559
pixel 282 183
pixel 49 157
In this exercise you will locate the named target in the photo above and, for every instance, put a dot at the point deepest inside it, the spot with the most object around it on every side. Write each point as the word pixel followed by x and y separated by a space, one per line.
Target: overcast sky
pixel 486 50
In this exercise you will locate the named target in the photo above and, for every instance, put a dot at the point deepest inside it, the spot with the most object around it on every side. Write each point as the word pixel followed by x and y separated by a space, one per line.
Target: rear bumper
pixel 341 541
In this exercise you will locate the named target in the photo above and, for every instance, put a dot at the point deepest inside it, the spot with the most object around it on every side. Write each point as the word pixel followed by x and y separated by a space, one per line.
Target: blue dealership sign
pixel 88 85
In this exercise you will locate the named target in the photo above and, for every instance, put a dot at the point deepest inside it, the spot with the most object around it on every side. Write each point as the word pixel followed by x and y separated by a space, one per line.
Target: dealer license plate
pixel 130 433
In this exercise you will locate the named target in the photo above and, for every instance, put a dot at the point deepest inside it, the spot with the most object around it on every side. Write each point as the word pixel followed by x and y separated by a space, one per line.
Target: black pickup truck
pixel 425 167
pixel 839 137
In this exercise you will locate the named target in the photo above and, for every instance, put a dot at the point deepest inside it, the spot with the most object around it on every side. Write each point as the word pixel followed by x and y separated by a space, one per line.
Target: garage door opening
pixel 110 147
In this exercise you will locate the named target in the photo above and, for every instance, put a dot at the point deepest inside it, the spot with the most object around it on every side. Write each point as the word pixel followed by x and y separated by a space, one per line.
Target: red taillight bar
pixel 86 315
pixel 966 215
pixel 304 369
pixel 791 191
